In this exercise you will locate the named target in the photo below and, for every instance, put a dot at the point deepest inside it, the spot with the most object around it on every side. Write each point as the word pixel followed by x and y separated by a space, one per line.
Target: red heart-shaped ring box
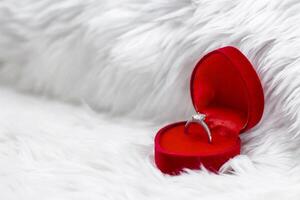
pixel 225 87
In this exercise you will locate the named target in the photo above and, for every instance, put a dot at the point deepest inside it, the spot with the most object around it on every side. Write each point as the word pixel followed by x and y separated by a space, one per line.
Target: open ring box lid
pixel 225 87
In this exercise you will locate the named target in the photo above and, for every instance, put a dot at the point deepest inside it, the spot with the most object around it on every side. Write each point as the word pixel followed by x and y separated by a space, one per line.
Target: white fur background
pixel 86 84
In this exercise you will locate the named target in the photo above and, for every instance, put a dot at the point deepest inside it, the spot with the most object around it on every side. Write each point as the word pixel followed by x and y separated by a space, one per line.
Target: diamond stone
pixel 199 117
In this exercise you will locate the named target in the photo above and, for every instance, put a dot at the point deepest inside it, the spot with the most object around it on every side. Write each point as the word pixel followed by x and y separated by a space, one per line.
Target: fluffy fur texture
pixel 131 60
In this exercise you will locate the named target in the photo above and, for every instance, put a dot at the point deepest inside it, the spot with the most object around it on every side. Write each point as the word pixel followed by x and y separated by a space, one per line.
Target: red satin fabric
pixel 226 88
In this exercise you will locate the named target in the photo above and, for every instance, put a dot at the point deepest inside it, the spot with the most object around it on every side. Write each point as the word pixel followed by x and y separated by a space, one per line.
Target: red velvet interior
pixel 218 84
pixel 224 124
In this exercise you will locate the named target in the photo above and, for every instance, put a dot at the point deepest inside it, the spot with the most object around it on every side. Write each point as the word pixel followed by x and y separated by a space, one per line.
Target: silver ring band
pixel 199 119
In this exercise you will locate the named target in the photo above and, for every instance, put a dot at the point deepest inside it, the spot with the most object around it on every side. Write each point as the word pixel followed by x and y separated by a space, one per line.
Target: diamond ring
pixel 199 119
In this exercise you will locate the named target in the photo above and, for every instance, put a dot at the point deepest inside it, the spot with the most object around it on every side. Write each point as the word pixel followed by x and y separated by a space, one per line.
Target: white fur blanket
pixel 113 72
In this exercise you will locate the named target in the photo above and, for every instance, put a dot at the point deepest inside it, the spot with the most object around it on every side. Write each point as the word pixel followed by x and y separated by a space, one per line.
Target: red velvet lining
pixel 218 84
pixel 224 124
pixel 225 78
pixel 174 140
